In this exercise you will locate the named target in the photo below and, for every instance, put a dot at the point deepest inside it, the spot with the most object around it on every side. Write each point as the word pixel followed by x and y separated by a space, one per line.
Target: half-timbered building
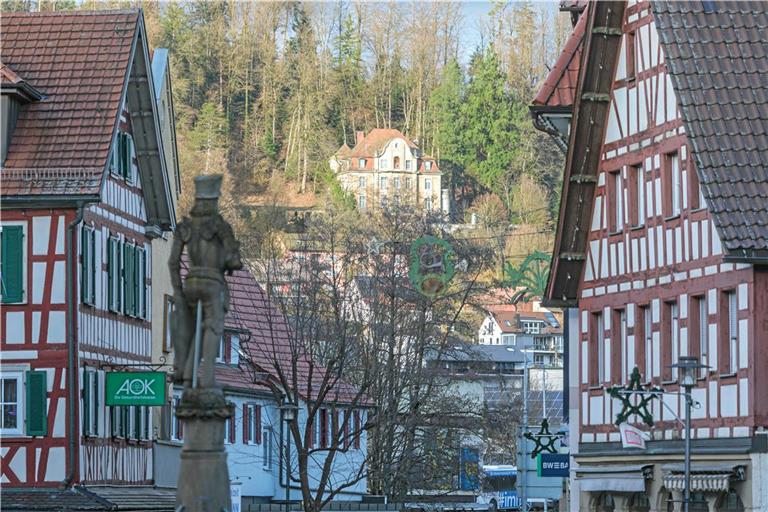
pixel 661 248
pixel 85 197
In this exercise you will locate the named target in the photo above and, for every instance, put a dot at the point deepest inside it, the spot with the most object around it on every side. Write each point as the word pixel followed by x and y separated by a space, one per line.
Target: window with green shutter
pixel 130 279
pixel 125 145
pixel 12 269
pixel 88 266
pixel 141 282
pixel 114 277
pixel 37 403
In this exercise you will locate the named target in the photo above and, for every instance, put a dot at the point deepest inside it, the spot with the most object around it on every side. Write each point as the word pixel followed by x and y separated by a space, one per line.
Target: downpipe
pixel 72 399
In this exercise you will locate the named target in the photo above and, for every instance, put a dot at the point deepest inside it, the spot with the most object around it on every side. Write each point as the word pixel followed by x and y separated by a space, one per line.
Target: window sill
pixel 671 217
pixel 615 232
pixel 638 227
pixel 593 387
pixel 728 375
pixel 668 382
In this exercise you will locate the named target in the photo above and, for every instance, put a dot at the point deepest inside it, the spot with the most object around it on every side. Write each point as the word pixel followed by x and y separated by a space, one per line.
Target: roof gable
pixel 88 65
pixel 602 41
pixel 718 61
pixel 560 85
pixel 375 142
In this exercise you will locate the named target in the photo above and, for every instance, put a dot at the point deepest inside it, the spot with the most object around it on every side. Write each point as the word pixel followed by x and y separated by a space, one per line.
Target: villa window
pixel 396 162
pixel 361 165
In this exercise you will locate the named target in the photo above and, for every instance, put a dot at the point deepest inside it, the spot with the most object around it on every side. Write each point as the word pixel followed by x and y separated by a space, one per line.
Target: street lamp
pixel 288 413
pixel 687 366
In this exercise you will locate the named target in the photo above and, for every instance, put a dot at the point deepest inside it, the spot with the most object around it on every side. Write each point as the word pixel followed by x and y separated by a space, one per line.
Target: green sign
pixel 135 388
pixel 432 265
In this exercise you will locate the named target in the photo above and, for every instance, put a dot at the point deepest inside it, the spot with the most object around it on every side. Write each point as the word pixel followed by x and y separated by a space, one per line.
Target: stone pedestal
pixel 203 476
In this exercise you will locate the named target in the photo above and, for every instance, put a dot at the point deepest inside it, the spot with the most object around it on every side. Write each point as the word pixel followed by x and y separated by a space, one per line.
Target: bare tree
pixel 350 333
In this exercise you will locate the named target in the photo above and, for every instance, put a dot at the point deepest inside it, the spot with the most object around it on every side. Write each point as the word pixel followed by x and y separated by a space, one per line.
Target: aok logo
pixel 136 388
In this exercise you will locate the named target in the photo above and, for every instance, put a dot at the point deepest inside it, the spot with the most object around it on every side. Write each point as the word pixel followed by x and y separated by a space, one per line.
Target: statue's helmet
pixel 208 186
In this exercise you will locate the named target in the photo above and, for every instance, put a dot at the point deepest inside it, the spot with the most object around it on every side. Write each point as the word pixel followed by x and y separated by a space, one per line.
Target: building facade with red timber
pixel 85 197
pixel 661 248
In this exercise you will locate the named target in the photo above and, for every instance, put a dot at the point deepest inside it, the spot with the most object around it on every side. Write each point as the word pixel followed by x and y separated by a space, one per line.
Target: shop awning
pixel 614 478
pixel 703 478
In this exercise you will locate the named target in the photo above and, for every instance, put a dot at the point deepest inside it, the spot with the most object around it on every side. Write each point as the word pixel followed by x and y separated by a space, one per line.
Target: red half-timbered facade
pixel 84 194
pixel 661 244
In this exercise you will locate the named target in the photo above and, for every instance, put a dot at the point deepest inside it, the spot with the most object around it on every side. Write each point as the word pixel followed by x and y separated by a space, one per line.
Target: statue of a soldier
pixel 201 303
pixel 212 250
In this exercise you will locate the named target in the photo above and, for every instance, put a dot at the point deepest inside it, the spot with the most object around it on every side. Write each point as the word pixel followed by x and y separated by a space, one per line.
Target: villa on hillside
pixel 385 168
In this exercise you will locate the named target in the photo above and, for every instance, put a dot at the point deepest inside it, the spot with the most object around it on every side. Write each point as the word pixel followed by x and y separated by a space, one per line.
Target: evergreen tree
pixel 446 101
pixel 490 132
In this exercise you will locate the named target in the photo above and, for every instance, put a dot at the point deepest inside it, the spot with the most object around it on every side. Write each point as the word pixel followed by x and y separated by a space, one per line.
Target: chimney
pixel 359 136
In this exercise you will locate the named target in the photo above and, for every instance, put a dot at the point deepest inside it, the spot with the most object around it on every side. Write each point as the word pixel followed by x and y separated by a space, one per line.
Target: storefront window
pixel 604 503
pixel 731 502
pixel 639 503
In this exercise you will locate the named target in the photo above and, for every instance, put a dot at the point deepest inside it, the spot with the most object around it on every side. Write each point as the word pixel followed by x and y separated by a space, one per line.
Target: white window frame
pixel 383 163
pixel 733 333
pixel 361 182
pixel 600 348
pixel 361 164
pixel 408 183
pixel 624 348
pixel 703 335
pixel 24 258
pixel 675 183
pixel 250 410
pixel 227 430
pixel 396 182
pixel 640 196
pixel 383 182
pixel 175 422
pixel 220 356
pixel 266 447
pixel 648 333
pixel 428 165
pixel 427 184
pixel 619 220
pixel 428 204
pixel 674 323
pixel 17 376
pixel 407 164
pixel 94 402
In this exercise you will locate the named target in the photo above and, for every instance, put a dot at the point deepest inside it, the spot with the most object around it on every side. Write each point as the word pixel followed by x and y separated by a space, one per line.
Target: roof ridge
pixel 90 12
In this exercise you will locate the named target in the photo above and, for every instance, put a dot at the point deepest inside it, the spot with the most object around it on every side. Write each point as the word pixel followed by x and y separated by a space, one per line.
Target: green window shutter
pixel 128 156
pixel 92 268
pixel 85 272
pixel 37 403
pixel 12 271
pixel 86 403
pixel 110 274
pixel 130 280
pixel 121 144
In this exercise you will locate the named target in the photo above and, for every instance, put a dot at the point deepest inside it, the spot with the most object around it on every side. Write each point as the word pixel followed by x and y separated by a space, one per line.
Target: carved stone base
pixel 203 476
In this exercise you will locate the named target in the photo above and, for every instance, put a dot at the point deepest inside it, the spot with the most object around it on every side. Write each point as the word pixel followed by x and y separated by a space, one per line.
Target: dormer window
pixel 361 163
pixel 15 93
pixel 428 165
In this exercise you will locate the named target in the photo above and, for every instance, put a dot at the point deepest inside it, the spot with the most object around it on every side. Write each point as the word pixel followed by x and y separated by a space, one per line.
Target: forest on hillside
pixel 266 92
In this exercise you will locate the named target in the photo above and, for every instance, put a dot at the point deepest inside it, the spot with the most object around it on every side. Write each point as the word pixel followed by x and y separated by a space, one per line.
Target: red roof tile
pixel 560 85
pixel 79 62
pixel 375 141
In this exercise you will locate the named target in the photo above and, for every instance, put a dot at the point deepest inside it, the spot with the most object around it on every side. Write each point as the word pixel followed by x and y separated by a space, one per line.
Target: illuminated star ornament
pixel 544 440
pixel 625 393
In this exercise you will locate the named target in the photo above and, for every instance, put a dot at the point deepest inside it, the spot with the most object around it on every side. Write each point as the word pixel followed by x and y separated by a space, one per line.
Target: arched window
pixel 730 502
pixel 397 162
pixel 639 503
pixel 603 503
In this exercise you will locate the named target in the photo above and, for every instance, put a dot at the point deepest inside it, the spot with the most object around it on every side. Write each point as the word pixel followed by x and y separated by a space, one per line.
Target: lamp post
pixel 687 366
pixel 288 413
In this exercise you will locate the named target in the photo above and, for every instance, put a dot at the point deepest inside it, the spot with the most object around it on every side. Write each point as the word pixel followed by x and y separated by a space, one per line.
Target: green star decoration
pixel 544 440
pixel 641 408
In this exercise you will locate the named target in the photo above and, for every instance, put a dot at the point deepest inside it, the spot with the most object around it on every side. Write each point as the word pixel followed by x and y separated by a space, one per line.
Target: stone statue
pixel 201 303
pixel 212 250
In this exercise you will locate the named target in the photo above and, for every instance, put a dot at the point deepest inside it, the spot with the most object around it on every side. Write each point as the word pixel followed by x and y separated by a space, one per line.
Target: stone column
pixel 203 476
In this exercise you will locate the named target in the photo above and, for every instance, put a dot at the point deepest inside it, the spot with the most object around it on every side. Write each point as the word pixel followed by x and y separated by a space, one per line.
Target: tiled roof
pixel 718 62
pixel 514 318
pixel 79 62
pixel 268 344
pixel 375 141
pixel 52 500
pixel 560 85
pixel 7 75
pixel 136 499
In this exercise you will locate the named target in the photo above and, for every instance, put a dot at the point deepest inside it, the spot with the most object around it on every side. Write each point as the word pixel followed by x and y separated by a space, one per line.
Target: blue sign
pixel 469 476
pixel 554 464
